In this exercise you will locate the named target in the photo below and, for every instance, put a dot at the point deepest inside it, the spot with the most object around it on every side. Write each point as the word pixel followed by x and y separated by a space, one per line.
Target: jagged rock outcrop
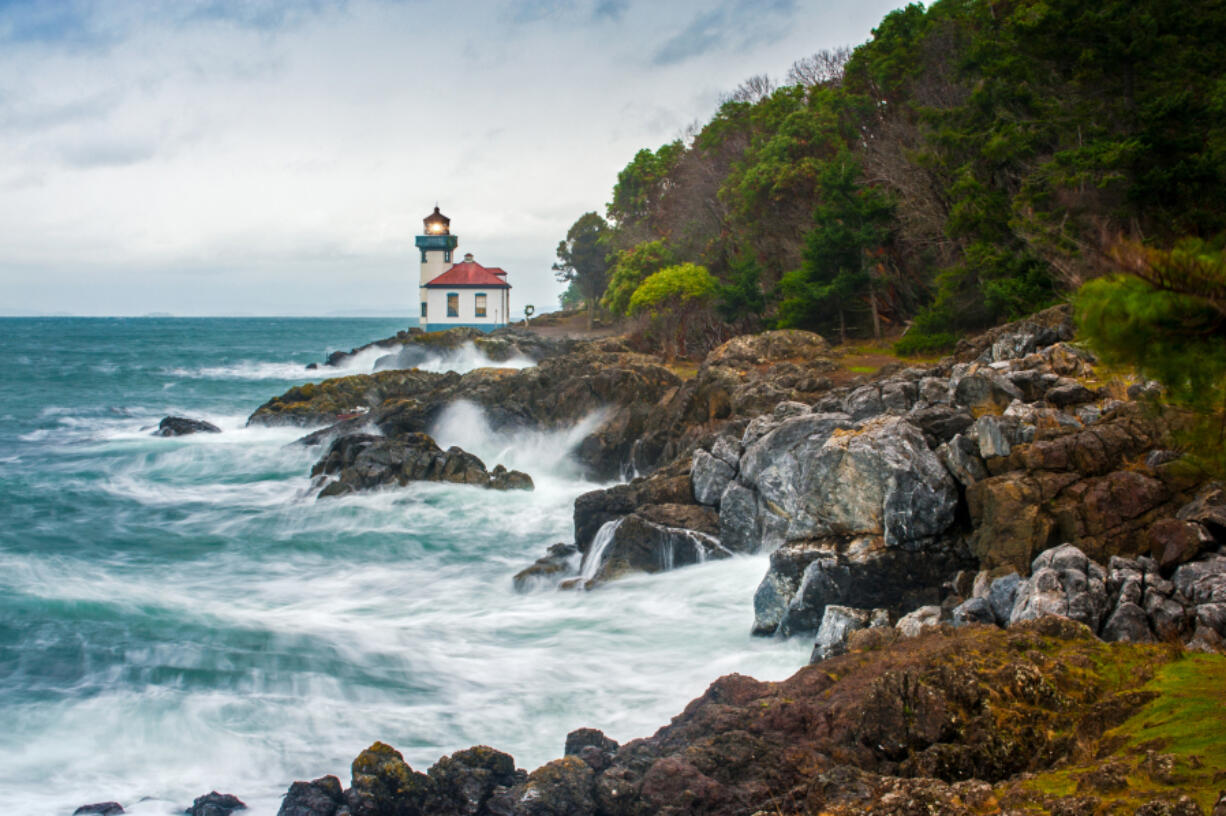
pixel 621 388
pixel 952 721
pixel 806 577
pixel 1131 599
pixel 408 349
pixel 365 462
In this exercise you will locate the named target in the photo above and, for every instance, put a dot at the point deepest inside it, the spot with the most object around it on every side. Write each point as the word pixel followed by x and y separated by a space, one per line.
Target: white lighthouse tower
pixel 436 245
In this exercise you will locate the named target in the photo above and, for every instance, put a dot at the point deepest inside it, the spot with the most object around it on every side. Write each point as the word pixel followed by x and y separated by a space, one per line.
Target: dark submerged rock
pixel 101 808
pixel 182 426
pixel 365 461
pixel 215 804
pixel 320 797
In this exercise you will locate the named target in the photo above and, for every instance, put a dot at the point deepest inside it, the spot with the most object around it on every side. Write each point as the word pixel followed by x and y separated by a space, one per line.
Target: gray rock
pixel 182 426
pixel 934 390
pixel 818 476
pixel 790 408
pixel 757 428
pixel 973 610
pixel 779 585
pixel 992 434
pixel 1001 596
pixel 961 457
pixel 838 622
pixel 864 402
pixel 738 519
pixel 1212 616
pixel 641 545
pixel 861 572
pixel 1201 582
pixel 710 477
pixel 1072 393
pixel 1062 582
pixel 940 423
pixel 982 388
pixel 1160 457
pixel 727 449
pixel 1128 623
pixel 916 621
pixel 1168 618
pixel 897 396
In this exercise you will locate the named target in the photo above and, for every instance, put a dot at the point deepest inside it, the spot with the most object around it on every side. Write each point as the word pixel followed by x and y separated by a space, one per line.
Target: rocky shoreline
pixel 961 541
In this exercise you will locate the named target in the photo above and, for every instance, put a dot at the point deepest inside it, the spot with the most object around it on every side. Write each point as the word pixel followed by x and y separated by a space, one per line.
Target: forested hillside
pixel 972 162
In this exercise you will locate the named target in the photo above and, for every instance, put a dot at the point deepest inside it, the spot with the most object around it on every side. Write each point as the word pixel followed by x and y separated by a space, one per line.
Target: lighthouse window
pixel 480 305
pixel 453 304
pixel 423 308
pixel 446 256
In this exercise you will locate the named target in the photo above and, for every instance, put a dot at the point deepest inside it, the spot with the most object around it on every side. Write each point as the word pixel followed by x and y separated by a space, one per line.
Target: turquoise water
pixel 180 615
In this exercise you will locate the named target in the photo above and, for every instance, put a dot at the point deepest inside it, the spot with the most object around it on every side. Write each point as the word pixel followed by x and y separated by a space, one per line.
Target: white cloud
pixel 225 157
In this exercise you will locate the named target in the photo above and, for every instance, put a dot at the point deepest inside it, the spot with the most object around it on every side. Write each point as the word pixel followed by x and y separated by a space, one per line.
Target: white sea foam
pixel 469 358
pixel 547 453
pixel 230 632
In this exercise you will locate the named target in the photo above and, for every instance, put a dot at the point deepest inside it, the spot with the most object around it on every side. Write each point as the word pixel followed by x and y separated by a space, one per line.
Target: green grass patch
pixel 1187 720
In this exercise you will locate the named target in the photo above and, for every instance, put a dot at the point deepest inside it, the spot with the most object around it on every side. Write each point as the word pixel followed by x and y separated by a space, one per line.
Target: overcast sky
pixel 256 157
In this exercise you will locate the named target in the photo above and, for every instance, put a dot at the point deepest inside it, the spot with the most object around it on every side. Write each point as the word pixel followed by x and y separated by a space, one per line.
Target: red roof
pixel 497 270
pixel 470 273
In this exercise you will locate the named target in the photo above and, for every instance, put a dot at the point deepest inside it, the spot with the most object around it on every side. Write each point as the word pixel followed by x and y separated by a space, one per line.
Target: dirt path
pixel 569 324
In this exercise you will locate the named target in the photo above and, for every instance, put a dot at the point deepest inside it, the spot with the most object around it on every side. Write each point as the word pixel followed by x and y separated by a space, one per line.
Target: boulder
pixel 655 539
pixel 982 390
pixel 365 462
pixel 710 476
pixel 768 347
pixel 1128 623
pixel 863 573
pixel 182 426
pixel 385 785
pixel 101 808
pixel 1209 510
pixel 1062 582
pixel 838 622
pixel 820 475
pixel 973 610
pixel 1202 582
pixel 320 797
pixel 563 787
pixel 215 804
pixel 917 620
pixel 559 561
pixel 1070 393
pixel 465 781
pixel 1173 542
pixel 592 746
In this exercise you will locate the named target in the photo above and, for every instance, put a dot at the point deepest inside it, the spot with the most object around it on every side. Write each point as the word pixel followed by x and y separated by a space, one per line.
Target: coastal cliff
pixel 961 541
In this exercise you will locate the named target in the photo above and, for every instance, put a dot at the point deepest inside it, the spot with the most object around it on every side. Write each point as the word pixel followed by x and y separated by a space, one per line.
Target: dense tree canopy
pixel 581 259
pixel 1006 136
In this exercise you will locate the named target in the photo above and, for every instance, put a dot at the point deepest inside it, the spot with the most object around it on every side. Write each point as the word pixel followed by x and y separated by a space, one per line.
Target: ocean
pixel 181 615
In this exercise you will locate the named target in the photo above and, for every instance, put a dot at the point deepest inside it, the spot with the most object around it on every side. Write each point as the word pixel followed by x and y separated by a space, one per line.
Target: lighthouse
pixel 457 294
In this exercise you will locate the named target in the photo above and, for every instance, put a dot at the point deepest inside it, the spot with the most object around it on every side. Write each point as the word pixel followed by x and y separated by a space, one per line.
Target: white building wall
pixel 495 306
